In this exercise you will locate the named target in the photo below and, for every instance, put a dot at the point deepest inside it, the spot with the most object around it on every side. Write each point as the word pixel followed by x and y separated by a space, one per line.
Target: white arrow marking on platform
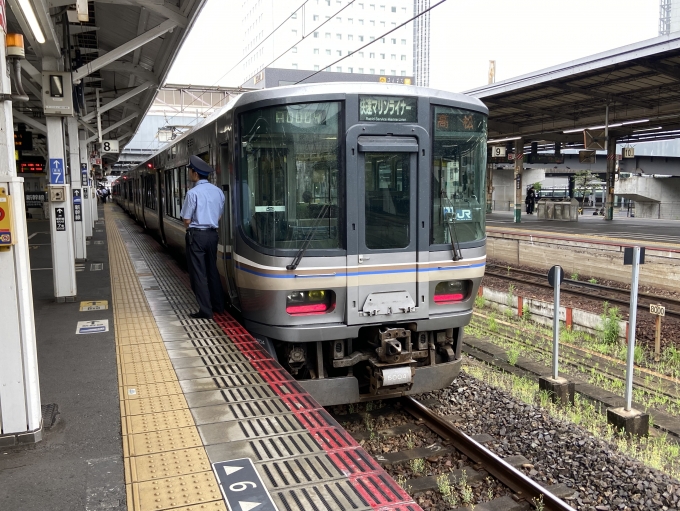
pixel 231 470
pixel 247 506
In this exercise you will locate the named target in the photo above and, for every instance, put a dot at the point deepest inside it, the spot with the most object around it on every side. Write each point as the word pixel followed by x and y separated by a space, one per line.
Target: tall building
pixel 314 48
pixel 421 43
pixel 669 17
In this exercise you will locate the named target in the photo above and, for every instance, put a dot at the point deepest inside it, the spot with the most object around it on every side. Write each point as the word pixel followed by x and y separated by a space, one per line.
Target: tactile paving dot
pixel 149 377
pixel 169 464
pixel 218 505
pixel 155 405
pixel 159 421
pixel 166 440
pixel 176 491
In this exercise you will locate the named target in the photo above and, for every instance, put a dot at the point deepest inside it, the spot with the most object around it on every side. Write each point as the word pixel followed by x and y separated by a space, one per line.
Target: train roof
pixel 300 92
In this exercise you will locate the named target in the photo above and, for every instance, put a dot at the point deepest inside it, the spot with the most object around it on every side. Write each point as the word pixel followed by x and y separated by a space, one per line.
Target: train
pixel 352 244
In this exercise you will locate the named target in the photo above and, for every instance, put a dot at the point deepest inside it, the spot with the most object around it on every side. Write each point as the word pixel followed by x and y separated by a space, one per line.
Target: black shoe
pixel 200 315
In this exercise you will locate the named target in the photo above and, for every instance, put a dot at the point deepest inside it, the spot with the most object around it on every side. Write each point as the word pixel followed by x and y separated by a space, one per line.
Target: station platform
pixel 161 411
pixel 622 229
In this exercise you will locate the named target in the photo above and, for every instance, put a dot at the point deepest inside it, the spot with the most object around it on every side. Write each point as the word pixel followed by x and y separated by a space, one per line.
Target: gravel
pixel 560 452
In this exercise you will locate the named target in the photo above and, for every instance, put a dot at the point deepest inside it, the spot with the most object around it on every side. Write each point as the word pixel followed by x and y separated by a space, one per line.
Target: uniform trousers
pixel 201 253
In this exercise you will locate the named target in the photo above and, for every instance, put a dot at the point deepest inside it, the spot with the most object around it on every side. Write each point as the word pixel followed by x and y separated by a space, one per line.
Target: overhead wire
pixel 372 42
pixel 304 36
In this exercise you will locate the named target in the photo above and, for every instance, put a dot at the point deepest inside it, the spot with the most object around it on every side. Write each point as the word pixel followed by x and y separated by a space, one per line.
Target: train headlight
pixel 303 303
pixel 451 291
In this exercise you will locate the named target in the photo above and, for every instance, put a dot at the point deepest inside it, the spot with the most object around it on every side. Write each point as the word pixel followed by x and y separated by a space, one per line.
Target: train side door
pixel 226 233
pixel 386 187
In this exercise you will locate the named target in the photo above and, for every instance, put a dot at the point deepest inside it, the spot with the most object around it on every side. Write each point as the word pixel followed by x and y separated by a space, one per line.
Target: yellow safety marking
pixel 159 421
pixel 169 464
pixel 176 491
pixel 96 305
pixel 155 404
pixel 166 466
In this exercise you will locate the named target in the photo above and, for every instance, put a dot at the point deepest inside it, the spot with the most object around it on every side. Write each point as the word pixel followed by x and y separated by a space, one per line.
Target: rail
pixel 524 486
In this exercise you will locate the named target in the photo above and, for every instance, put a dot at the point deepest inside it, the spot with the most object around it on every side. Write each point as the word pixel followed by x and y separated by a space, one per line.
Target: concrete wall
pixel 504 186
pixel 661 268
pixel 542 313
pixel 654 197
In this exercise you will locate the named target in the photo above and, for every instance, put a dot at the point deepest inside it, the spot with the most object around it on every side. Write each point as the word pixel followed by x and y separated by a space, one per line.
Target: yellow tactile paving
pixel 169 464
pixel 166 466
pixel 174 492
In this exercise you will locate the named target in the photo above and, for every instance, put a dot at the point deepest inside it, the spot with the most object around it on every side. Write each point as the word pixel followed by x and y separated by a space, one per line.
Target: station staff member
pixel 202 209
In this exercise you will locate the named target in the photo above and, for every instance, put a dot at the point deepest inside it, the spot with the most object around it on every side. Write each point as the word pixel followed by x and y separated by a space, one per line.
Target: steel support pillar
pixel 79 238
pixel 519 167
pixel 489 188
pixel 20 417
pixel 61 215
pixel 88 219
pixel 611 174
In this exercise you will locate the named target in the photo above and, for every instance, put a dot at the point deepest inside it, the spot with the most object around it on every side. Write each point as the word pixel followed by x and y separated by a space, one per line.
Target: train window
pixel 289 175
pixel 387 200
pixel 458 176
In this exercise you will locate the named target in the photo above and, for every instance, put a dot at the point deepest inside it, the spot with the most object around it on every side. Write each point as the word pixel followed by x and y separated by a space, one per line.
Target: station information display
pixel 388 109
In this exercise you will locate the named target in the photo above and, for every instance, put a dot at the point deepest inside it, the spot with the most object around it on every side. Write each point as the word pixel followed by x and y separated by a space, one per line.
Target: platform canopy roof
pixel 123 53
pixel 640 83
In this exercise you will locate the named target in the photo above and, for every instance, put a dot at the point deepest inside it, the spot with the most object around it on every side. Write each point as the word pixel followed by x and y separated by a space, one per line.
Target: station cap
pixel 201 167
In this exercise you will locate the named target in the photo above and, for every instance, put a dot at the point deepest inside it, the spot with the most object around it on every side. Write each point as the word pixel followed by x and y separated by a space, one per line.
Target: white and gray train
pixel 353 241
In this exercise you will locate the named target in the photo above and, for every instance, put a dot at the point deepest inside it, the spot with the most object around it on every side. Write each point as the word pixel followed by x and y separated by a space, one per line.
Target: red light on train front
pixel 451 291
pixel 304 303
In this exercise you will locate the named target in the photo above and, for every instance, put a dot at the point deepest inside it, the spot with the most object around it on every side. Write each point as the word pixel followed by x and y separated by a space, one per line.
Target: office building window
pixel 316 68
pixel 371 38
pixel 350 69
pixel 373 23
pixel 394 41
pixel 361 6
pixel 403 73
pixel 372 6
pixel 294 49
pixel 338 36
pixel 350 21
pixel 328 35
pixel 361 54
pixel 328 52
pixel 316 51
pixel 372 71
pixel 316 34
pixel 382 56
pixel 393 72
pixel 361 22
pixel 315 17
pixel 371 55
pixel 338 19
pixel 294 32
pixel 382 71
pixel 403 57
pixel 394 57
pixel 361 70
pixel 294 66
pixel 382 7
pixel 361 38
pixel 382 23
pixel 394 9
pixel 350 37
pixel 293 16
pixel 403 41
pixel 338 69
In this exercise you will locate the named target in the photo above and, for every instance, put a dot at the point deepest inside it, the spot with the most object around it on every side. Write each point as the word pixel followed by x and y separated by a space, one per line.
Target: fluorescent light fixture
pixel 29 14
pixel 502 140
pixel 647 129
pixel 636 122
pixel 603 126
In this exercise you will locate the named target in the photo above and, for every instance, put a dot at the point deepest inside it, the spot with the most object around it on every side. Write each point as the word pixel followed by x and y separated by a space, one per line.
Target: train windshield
pixel 290 160
pixel 459 176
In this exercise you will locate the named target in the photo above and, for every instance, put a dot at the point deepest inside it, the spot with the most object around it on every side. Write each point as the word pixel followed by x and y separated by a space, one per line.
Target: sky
pixel 522 36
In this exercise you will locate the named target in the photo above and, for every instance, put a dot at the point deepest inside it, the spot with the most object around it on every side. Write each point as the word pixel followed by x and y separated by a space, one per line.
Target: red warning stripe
pixel 367 477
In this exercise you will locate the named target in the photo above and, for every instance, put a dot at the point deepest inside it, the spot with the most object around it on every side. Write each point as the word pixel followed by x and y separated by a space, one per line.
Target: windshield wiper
pixel 309 237
pixel 455 246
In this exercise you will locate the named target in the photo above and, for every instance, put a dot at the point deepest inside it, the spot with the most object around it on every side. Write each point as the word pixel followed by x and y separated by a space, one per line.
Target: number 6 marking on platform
pixel 241 485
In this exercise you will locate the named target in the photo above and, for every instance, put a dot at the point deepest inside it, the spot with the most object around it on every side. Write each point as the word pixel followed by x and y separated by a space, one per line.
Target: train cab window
pixel 289 176
pixel 458 176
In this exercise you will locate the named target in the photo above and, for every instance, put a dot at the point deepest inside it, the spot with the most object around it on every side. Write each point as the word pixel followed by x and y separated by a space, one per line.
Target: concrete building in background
pixel 669 17
pixel 421 43
pixel 274 77
pixel 342 34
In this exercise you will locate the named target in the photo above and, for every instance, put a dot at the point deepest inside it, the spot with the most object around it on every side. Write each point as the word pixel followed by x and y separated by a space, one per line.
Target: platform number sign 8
pixel 110 146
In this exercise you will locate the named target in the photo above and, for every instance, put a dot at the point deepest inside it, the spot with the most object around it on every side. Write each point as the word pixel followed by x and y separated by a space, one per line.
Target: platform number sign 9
pixel 498 151
pixel 242 486
pixel 110 146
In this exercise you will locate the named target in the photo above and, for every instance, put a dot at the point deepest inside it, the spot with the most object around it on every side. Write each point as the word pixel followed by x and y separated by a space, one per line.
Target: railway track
pixel 585 289
pixel 463 461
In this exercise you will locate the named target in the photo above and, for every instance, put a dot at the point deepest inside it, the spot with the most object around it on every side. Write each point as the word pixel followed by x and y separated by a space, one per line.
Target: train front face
pixel 360 240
